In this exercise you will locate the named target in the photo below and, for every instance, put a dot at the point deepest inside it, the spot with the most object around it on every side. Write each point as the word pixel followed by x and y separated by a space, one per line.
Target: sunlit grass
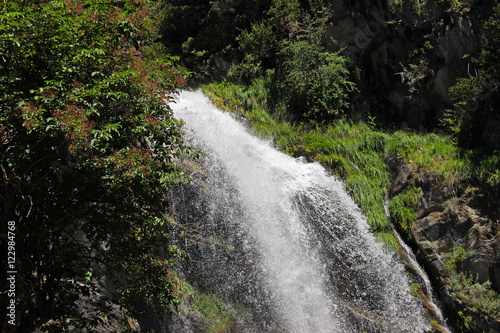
pixel 402 208
pixel 389 240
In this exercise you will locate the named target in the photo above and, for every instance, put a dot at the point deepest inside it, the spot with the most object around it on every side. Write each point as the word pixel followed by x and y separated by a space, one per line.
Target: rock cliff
pixel 457 239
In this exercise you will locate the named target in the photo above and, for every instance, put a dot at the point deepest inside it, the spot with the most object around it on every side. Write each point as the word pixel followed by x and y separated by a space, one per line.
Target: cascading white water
pixel 296 249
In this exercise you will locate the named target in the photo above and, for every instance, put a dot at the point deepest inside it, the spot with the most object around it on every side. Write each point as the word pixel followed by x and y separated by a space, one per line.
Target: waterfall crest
pixel 289 243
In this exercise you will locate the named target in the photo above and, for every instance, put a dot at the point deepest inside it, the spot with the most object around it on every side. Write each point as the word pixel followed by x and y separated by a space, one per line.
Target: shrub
pixel 312 83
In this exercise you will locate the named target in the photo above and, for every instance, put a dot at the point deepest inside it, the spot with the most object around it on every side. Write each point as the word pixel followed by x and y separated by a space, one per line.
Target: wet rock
pixel 491 132
pixel 442 82
pixel 430 228
pixel 461 224
pixel 403 174
pixel 434 193
pixel 495 271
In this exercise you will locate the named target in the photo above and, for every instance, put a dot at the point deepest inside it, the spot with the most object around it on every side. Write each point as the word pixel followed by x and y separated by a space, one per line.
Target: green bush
pixel 310 82
pixel 260 41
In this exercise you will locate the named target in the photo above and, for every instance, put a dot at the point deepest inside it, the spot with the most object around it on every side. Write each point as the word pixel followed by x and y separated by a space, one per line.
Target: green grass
pixel 389 240
pixel 402 208
pixel 431 152
pixel 369 196
pixel 218 315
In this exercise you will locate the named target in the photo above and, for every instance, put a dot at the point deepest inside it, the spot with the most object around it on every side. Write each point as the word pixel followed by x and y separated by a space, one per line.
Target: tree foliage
pixel 189 29
pixel 476 96
pixel 312 82
pixel 87 149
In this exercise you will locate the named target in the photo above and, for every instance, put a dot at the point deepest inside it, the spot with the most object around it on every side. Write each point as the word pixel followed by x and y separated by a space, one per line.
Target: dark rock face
pixel 470 221
pixel 408 60
pixel 403 175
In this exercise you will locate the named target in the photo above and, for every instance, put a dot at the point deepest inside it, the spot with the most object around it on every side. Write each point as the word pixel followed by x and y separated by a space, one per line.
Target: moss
pixel 216 313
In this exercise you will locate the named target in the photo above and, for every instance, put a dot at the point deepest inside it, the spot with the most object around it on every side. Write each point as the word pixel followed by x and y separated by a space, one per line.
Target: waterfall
pixel 286 241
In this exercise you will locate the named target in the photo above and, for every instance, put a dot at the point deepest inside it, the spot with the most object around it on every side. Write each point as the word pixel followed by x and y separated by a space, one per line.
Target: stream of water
pixel 287 243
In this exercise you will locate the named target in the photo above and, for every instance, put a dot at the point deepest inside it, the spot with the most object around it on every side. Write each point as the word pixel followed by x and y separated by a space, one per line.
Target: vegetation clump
pixel 474 296
pixel 86 152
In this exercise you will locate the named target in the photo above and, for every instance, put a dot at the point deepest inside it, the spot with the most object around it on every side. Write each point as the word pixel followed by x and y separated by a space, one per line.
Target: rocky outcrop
pixel 457 237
